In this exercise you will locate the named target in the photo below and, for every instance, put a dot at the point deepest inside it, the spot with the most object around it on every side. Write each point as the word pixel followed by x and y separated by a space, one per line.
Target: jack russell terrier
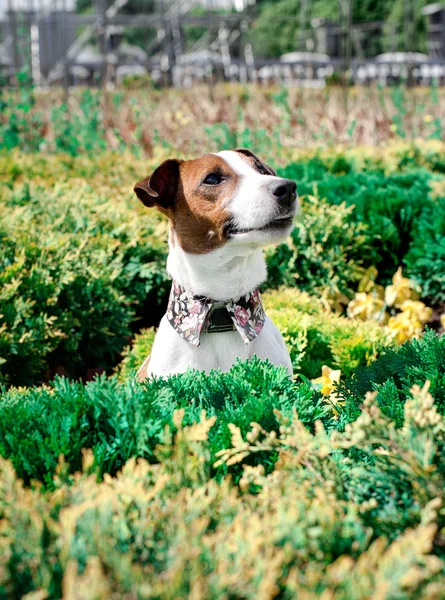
pixel 223 209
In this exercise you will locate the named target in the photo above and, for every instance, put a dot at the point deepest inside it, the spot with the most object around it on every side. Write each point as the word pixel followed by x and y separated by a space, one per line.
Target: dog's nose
pixel 284 190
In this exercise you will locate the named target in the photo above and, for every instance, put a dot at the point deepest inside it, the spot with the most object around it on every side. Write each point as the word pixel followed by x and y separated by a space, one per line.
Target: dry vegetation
pixel 208 118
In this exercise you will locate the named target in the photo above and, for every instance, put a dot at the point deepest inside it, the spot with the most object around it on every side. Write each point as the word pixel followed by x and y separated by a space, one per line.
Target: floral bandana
pixel 189 315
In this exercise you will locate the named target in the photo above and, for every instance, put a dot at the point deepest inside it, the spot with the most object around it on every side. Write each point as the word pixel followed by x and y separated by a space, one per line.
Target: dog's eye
pixel 213 179
pixel 261 169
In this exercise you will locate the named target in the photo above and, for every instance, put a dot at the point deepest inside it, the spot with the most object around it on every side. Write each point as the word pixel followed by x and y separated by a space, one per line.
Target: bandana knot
pixel 191 315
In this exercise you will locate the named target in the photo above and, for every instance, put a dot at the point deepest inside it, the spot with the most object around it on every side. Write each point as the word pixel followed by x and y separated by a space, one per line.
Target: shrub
pixel 323 254
pixel 120 421
pixel 88 263
pixel 426 265
pixel 389 205
pixel 135 354
pixel 365 219
pixel 426 258
pixel 76 270
pixel 393 375
pixel 336 518
pixel 317 337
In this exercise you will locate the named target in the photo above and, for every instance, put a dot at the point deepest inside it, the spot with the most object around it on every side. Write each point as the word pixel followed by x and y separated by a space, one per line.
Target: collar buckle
pixel 219 321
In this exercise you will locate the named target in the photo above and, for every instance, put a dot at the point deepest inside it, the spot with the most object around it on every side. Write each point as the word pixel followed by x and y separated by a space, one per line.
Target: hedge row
pixel 359 219
pixel 121 420
pixel 347 510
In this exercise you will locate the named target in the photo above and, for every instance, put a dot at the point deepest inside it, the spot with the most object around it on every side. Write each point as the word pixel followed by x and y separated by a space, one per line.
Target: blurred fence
pixel 182 42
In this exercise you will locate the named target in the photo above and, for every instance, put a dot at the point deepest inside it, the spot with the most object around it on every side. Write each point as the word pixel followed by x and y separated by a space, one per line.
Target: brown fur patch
pixel 142 374
pixel 199 212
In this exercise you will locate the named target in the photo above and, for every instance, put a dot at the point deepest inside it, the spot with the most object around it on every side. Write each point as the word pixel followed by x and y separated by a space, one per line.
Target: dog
pixel 223 208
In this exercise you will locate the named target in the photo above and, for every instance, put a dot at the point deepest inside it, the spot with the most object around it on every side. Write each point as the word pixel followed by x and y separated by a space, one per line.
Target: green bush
pixel 363 219
pixel 426 265
pixel 235 485
pixel 76 271
pixel 390 159
pixel 324 253
pixel 83 264
pixel 135 354
pixel 425 260
pixel 388 206
pixel 393 375
pixel 316 337
pixel 121 421
pixel 349 515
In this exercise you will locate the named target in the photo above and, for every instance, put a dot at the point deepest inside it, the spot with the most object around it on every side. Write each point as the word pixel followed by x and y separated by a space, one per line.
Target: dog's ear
pixel 161 186
pixel 258 162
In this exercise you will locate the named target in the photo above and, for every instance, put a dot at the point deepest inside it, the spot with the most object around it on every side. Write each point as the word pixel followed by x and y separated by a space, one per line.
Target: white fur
pixel 172 354
pixel 231 271
pixel 253 205
pixel 227 272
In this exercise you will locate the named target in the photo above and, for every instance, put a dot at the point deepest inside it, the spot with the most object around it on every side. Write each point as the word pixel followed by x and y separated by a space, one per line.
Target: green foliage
pixel 426 264
pixel 135 354
pixel 324 253
pixel 20 124
pixel 365 218
pixel 275 32
pixel 76 270
pixel 121 421
pixel 394 374
pixel 395 34
pixel 425 260
pixel 81 131
pixel 83 264
pixel 317 337
pixel 281 124
pixel 23 126
pixel 387 206
pixel 342 515
pixel 248 485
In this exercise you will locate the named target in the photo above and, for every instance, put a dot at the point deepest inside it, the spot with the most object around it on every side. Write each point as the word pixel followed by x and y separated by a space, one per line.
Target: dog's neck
pixel 228 272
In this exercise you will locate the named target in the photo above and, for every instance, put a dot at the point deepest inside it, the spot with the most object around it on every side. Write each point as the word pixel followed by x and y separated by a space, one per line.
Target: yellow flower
pixel 404 327
pixel 428 118
pixel 367 307
pixel 327 380
pixel 442 321
pixel 401 289
pixel 417 311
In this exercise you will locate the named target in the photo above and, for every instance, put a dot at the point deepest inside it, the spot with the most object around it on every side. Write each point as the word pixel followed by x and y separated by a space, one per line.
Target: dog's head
pixel 227 198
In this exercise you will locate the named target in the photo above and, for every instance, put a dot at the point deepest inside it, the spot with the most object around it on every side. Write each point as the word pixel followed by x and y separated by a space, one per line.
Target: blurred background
pixel 307 43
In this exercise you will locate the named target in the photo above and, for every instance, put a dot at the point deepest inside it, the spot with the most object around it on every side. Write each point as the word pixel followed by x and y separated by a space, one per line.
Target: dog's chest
pixel 172 354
